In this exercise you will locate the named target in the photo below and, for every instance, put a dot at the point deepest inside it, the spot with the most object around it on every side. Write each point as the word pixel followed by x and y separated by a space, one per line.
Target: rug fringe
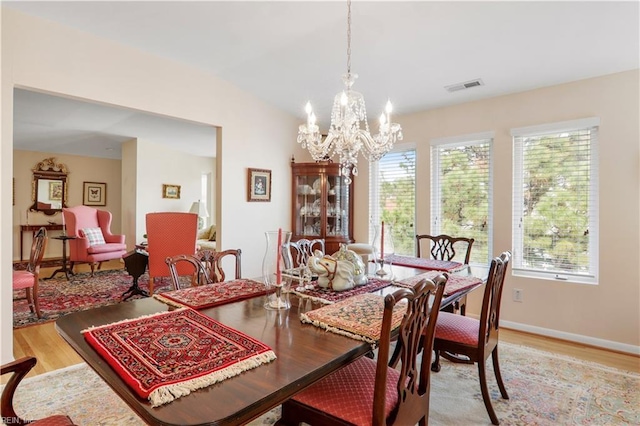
pixel 305 319
pixel 168 301
pixel 166 394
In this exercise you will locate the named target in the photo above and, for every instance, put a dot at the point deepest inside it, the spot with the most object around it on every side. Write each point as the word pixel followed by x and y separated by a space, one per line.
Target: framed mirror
pixel 49 187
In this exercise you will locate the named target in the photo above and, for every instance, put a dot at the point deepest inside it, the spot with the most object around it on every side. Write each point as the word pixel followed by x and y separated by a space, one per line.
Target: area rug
pixel 208 296
pixel 319 294
pixel 168 355
pixel 358 317
pixel 59 297
pixel 544 389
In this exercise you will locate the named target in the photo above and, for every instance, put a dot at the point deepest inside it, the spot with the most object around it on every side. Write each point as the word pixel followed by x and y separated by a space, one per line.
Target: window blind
pixel 461 191
pixel 555 201
pixel 392 197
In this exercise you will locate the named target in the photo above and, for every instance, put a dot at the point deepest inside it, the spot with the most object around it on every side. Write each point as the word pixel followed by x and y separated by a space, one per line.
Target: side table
pixel 135 262
pixel 66 271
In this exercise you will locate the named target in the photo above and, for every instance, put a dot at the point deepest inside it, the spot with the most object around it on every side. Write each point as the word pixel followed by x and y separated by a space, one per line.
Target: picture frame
pixel 55 191
pixel 259 185
pixel 94 193
pixel 171 191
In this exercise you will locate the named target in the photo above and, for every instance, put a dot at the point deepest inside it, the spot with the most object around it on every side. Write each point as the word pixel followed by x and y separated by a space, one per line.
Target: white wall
pixel 42 55
pixel 606 314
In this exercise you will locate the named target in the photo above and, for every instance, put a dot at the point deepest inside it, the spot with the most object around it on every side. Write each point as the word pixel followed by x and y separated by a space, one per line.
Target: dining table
pixel 304 355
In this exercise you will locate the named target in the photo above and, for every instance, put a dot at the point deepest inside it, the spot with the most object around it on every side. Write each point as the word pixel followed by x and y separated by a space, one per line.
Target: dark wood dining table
pixel 305 354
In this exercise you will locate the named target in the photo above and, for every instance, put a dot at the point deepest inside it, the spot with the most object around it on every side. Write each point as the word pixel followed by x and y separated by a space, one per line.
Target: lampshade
pixel 199 208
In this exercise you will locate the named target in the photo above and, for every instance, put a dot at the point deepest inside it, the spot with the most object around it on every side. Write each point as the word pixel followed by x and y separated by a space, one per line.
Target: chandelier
pixel 349 130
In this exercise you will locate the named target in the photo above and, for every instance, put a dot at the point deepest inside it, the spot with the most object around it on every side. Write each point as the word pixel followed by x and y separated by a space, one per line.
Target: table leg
pixel 66 271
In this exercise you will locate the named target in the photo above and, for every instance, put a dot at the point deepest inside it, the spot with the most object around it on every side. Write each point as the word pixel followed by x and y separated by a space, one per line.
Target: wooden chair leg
pixel 36 303
pixel 435 365
pixel 93 268
pixel 482 373
pixel 496 370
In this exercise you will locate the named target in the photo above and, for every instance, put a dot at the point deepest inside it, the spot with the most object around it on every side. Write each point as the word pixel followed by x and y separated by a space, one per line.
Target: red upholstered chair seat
pixel 457 328
pixel 22 279
pixel 58 420
pixel 348 393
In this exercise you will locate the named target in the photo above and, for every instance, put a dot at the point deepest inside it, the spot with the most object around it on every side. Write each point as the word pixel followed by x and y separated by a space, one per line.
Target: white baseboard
pixel 577 338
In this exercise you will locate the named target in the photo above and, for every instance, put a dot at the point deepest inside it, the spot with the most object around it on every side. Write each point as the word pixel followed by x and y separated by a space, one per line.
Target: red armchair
pixel 94 242
pixel 170 234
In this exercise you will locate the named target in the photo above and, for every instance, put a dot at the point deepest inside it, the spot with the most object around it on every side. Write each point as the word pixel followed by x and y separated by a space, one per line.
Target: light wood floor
pixel 43 342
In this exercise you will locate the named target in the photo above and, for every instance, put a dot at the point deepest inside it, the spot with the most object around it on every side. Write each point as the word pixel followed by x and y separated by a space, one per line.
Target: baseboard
pixel 571 337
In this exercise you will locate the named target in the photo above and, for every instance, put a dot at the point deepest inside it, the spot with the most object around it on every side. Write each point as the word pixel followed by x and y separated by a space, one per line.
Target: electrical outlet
pixel 517 295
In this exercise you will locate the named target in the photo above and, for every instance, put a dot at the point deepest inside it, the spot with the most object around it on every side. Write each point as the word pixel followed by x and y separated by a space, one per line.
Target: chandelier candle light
pixel 349 130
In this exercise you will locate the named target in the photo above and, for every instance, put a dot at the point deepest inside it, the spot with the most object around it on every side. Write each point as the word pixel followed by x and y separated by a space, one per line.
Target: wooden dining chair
pixel 443 247
pixel 217 261
pixel 197 272
pixel 369 392
pixel 29 279
pixel 477 339
pixel 296 253
pixel 19 370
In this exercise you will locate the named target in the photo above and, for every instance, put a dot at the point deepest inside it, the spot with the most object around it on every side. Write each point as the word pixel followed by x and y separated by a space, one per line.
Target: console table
pixel 33 229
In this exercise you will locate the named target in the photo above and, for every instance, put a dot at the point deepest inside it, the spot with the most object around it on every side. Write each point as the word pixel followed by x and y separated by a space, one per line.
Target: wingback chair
pixel 94 242
pixel 170 234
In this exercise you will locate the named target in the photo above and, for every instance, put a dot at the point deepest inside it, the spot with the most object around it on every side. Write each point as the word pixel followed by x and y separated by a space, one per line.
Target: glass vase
pixel 272 267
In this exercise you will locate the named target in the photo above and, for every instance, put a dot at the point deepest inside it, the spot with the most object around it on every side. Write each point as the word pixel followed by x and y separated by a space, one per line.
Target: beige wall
pixel 606 314
pixel 41 55
pixel 81 169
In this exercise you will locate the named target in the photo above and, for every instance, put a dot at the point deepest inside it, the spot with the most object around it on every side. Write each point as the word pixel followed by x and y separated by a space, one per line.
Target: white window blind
pixel 461 191
pixel 555 208
pixel 392 197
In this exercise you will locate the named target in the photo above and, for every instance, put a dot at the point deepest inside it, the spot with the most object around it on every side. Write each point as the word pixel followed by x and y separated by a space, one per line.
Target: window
pixel 461 191
pixel 555 213
pixel 392 198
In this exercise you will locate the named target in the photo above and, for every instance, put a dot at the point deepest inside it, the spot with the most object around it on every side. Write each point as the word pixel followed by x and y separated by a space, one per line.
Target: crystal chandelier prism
pixel 349 131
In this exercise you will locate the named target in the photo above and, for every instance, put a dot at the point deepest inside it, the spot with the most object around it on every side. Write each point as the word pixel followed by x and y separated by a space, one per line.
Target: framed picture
pixel 94 193
pixel 171 191
pixel 55 190
pixel 259 186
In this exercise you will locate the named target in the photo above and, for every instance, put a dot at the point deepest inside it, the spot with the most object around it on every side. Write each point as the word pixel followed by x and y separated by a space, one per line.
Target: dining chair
pixel 29 279
pixel 369 391
pixel 477 339
pixel 219 259
pixel 443 247
pixel 19 370
pixel 198 273
pixel 169 234
pixel 297 253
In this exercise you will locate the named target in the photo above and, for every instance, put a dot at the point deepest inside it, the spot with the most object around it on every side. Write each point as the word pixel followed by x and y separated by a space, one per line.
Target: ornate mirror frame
pixel 49 187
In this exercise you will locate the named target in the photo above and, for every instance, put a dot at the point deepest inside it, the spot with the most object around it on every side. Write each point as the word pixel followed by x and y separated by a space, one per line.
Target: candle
pixel 64 227
pixel 382 241
pixel 279 249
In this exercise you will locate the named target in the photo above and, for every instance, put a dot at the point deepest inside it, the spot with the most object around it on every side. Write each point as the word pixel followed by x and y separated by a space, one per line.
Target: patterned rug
pixel 207 296
pixel 319 294
pixel 544 389
pixel 168 355
pixel 59 296
pixel 358 317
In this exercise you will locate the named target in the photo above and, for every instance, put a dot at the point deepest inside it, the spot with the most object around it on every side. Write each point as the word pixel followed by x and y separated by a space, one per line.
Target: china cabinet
pixel 322 205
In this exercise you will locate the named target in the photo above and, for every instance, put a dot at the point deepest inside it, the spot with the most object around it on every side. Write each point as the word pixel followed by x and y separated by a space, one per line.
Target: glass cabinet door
pixel 308 205
pixel 338 199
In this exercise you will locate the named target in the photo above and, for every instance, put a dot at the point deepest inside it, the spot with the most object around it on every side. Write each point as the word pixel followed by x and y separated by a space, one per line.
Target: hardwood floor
pixel 43 342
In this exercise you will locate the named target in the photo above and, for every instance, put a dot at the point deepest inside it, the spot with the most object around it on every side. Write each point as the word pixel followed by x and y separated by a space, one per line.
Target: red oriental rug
pixel 455 283
pixel 359 317
pixel 59 297
pixel 319 294
pixel 422 263
pixel 167 355
pixel 207 296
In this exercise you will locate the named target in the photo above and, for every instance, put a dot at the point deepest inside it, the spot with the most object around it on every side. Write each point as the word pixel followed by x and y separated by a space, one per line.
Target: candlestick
pixel 382 241
pixel 279 248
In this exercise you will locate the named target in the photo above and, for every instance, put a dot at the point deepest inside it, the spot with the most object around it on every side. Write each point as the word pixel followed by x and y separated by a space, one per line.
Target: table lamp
pixel 200 209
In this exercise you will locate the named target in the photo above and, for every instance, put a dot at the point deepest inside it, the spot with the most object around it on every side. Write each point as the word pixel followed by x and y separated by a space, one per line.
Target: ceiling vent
pixel 463 86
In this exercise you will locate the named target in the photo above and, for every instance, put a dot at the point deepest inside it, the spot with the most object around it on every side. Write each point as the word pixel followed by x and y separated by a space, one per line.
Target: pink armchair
pixel 94 241
pixel 169 234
